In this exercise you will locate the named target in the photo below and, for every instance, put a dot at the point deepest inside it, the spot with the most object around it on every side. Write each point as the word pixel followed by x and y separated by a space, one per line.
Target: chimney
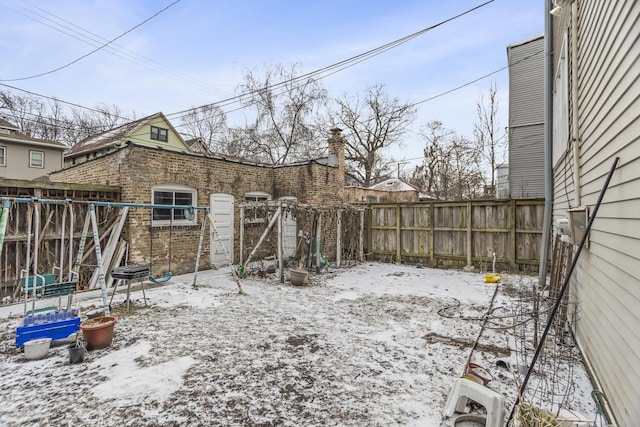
pixel 336 148
pixel 336 155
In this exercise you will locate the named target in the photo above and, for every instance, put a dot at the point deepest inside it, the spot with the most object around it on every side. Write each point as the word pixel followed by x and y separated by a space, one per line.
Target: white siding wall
pixel 606 282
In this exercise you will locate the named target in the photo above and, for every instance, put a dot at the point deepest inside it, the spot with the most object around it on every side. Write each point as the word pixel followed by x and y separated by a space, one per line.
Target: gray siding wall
pixel 526 119
pixel 17 161
pixel 606 282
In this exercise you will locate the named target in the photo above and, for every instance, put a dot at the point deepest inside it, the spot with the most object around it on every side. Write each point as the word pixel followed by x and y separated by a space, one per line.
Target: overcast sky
pixel 197 52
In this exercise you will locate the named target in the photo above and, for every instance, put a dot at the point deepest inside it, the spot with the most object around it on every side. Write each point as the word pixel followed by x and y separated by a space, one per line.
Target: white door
pixel 222 214
pixel 289 233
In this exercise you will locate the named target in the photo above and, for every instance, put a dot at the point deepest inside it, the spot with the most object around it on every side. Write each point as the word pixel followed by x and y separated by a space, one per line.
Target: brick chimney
pixel 336 149
pixel 336 158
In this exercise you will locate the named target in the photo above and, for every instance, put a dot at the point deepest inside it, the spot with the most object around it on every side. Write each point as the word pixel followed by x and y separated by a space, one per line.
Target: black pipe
pixel 564 287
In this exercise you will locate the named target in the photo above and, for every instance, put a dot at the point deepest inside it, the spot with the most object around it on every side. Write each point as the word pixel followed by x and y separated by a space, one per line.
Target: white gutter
pixel 35 143
pixel 548 146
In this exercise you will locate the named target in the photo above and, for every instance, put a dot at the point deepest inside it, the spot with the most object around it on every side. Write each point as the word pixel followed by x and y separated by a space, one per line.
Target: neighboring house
pixel 151 131
pixel 26 158
pixel 390 190
pixel 197 145
pixel 163 174
pixel 502 181
pixel 596 117
pixel 526 119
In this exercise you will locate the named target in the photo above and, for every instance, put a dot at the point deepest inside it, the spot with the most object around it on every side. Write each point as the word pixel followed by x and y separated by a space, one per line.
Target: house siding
pixel 17 160
pixel 526 119
pixel 606 282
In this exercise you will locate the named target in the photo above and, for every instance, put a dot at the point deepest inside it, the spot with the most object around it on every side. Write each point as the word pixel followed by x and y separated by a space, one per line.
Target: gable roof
pixel 393 184
pixel 116 137
pixel 15 136
pixel 7 125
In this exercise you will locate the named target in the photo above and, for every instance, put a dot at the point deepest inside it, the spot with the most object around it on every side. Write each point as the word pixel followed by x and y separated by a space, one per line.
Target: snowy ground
pixel 372 345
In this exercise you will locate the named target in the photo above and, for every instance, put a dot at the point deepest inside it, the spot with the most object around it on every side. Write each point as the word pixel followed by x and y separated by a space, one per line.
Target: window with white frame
pixel 36 159
pixel 256 212
pixel 159 134
pixel 3 156
pixel 561 105
pixel 177 195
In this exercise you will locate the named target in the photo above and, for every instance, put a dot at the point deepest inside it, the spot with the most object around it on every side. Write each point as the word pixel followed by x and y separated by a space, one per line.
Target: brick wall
pixel 137 169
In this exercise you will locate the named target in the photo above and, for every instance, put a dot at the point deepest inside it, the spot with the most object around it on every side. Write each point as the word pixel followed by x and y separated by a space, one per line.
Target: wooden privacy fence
pixel 458 234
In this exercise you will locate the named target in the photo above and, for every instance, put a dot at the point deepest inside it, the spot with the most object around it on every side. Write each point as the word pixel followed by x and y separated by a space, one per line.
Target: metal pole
pixel 62 235
pixel 200 240
pixel 564 287
pixel 36 238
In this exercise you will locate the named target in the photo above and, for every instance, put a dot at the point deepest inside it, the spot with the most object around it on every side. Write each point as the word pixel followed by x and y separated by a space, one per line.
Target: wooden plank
pixel 110 247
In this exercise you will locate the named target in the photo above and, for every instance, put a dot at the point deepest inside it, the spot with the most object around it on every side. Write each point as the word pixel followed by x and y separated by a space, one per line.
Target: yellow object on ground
pixel 491 278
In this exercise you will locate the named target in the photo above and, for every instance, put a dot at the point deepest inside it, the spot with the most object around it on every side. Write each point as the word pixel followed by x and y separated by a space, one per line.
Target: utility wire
pixel 359 58
pixel 93 51
pixel 77 32
pixel 341 65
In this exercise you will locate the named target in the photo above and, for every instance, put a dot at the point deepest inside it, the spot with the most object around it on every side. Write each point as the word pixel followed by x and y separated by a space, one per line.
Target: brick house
pixel 148 172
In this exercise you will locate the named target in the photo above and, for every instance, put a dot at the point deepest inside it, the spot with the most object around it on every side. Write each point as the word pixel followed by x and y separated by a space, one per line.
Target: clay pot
pixel 297 277
pixel 98 332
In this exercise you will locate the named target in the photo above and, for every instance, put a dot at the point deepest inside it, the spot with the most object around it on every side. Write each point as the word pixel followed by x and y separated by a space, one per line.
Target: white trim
pixel 561 106
pixel 174 188
pixel 31 165
pixel 259 196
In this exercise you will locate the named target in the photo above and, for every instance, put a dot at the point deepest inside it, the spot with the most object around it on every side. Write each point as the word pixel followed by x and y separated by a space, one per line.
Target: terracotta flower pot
pixel 98 332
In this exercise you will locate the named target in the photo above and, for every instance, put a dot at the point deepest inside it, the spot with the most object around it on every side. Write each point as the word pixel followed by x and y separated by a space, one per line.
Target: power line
pixel 93 51
pixel 86 36
pixel 338 66
pixel 329 70
pixel 477 80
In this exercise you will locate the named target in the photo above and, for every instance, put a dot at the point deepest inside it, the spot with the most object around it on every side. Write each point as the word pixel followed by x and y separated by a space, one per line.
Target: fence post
pixel 469 234
pixel 432 257
pixel 398 212
pixel 361 237
pixel 514 235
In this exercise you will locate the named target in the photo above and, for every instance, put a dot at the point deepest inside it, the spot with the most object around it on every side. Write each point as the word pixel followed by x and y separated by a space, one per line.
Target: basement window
pixel 159 134
pixel 177 195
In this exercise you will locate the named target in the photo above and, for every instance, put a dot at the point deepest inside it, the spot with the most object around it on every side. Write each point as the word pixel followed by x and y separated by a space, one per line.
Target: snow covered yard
pixel 372 345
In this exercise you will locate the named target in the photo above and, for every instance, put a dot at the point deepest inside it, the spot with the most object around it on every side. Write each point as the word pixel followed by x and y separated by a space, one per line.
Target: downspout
pixel 574 102
pixel 548 147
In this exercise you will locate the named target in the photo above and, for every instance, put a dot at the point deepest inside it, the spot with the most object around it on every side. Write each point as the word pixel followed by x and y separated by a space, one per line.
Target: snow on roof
pixel 393 184
pixel 107 138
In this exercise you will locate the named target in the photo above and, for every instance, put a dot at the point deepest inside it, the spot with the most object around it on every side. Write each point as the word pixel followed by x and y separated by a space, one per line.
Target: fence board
pixel 443 233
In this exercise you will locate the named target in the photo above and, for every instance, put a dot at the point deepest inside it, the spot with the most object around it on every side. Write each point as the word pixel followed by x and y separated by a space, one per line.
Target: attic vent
pixel 5 131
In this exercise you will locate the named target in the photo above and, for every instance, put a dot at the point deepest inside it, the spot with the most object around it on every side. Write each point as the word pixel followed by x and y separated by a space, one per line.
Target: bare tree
pixel 51 120
pixel 450 167
pixel 371 123
pixel 284 102
pixel 487 130
pixel 208 122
